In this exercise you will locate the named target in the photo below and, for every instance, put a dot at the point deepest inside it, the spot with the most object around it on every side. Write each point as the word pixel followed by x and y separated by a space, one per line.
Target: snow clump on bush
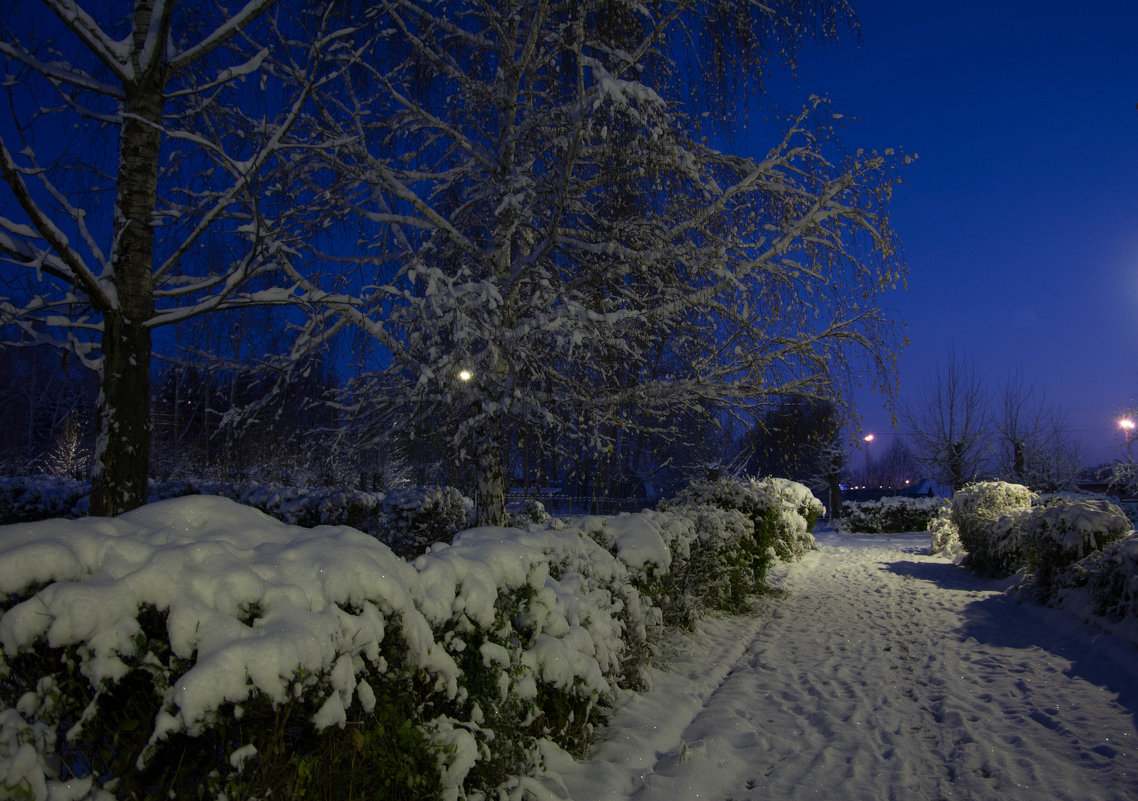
pixel 974 509
pixel 943 534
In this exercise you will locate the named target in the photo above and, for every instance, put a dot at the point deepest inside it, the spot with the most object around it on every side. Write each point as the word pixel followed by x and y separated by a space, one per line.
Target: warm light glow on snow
pixel 465 375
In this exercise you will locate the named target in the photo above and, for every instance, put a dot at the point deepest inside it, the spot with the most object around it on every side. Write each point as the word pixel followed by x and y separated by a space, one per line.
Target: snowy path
pixel 883 674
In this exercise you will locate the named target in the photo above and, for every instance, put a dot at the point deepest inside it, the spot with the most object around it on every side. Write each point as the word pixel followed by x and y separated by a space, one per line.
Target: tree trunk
pixel 490 495
pixel 122 436
pixel 122 449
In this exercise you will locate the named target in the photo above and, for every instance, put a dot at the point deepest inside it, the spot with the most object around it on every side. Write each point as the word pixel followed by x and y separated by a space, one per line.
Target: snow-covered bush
pixel 1102 585
pixel 891 515
pixel 198 648
pixel 799 510
pixel 684 561
pixel 521 513
pixel 1051 538
pixel 797 496
pixel 713 568
pixel 943 535
pixel 26 499
pixel 781 511
pixel 298 506
pixel 975 510
pixel 411 518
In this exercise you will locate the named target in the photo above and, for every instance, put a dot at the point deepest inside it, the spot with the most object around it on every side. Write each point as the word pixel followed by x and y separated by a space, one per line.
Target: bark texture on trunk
pixel 490 500
pixel 122 434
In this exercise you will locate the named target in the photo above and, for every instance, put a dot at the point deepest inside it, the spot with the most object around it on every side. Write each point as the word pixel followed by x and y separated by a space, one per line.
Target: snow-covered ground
pixel 883 673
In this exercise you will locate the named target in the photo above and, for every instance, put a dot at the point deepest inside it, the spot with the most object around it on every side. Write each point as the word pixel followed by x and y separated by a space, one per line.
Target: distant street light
pixel 465 375
pixel 1127 426
pixel 868 439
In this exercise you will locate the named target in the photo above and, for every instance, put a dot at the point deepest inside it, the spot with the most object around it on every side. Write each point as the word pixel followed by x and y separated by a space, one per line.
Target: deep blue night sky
pixel 1020 218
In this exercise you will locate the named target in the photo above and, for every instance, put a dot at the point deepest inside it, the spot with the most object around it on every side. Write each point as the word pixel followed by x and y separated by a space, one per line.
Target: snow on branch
pixel 222 34
pixel 59 73
pixel 70 264
pixel 113 54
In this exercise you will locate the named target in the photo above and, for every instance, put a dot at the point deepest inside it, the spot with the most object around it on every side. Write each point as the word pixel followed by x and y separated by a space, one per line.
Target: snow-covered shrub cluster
pixel 1049 538
pixel 30 498
pixel 891 515
pixel 782 512
pixel 199 648
pixel 708 562
pixel 975 509
pixel 25 499
pixel 944 536
pixel 1101 587
pixel 411 518
pixel 1004 528
pixel 520 514
pixel 798 511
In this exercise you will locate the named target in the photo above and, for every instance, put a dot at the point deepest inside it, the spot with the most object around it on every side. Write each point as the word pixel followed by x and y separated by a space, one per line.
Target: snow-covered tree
pixel 145 167
pixel 556 253
pixel 949 423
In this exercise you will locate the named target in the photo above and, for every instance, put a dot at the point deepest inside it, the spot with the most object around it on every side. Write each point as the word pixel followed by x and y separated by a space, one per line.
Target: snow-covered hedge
pixel 975 509
pixel 782 512
pixel 520 514
pixel 891 515
pixel 199 648
pixel 1049 538
pixel 407 519
pixel 1101 588
pixel 1004 528
pixel 25 499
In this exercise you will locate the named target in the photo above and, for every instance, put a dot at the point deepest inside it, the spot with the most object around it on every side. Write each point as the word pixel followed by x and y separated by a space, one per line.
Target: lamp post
pixel 1127 426
pixel 868 439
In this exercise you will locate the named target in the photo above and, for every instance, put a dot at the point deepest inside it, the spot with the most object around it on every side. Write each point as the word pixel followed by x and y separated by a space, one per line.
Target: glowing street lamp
pixel 465 375
pixel 1127 426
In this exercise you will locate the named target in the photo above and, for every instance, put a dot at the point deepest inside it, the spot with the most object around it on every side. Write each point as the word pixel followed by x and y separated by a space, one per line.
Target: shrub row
pixel 406 519
pixel 892 515
pixel 199 648
pixel 1003 528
